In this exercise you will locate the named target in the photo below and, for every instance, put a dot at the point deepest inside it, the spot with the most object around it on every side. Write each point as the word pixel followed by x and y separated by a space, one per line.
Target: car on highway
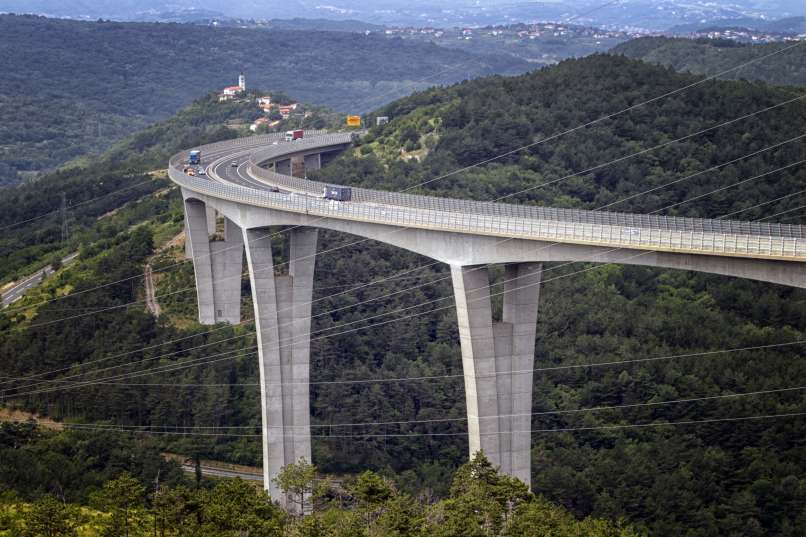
pixel 234 163
pixel 202 172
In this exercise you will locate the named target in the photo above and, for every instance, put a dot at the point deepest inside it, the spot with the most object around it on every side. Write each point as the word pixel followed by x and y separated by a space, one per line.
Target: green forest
pixel 114 486
pixel 134 74
pixel 740 478
pixel 713 56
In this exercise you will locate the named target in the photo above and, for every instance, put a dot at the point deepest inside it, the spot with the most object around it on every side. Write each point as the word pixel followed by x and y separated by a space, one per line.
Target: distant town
pixel 543 43
pixel 522 31
pixel 274 112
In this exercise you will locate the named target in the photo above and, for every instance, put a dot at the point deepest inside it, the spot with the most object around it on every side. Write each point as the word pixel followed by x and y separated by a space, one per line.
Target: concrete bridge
pixel 259 181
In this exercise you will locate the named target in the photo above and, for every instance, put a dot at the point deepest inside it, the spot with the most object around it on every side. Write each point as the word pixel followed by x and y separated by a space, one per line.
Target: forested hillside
pixel 112 485
pixel 717 479
pixel 665 330
pixel 96 186
pixel 710 57
pixel 71 87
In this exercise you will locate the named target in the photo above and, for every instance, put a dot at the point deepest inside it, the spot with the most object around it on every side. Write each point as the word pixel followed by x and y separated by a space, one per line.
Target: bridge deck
pixel 600 228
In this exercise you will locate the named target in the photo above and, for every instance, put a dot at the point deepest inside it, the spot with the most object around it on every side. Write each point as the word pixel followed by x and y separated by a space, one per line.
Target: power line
pixel 496 416
pixel 398 311
pixel 52 389
pixel 570 429
pixel 63 210
pixel 57 211
pixel 606 117
pixel 757 205
pixel 415 435
pixel 422 378
pixel 245 321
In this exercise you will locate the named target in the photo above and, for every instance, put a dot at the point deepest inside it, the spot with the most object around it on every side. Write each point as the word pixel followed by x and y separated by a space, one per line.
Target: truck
pixel 338 193
pixel 298 134
pixel 195 157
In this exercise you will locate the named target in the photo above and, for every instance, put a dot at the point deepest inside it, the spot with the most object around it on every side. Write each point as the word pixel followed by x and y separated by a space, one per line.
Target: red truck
pixel 290 136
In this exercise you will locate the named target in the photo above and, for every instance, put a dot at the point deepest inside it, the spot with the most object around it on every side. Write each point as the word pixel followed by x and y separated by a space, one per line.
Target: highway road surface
pixel 21 287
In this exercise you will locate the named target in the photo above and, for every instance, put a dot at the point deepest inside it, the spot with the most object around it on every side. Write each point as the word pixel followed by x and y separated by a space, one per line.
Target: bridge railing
pixel 647 238
pixel 506 210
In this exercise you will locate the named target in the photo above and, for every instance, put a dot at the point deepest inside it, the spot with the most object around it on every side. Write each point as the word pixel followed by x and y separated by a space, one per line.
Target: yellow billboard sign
pixel 353 121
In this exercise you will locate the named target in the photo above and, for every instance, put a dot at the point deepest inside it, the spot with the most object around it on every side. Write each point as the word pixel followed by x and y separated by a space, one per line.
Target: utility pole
pixel 65 229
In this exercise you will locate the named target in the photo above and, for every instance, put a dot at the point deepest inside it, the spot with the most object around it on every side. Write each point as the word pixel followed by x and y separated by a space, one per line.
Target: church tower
pixel 242 82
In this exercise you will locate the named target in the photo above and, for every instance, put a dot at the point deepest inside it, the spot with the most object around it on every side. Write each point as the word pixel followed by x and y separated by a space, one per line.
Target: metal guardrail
pixel 622 230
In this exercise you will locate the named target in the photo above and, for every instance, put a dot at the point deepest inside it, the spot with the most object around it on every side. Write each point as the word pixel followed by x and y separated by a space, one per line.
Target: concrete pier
pixel 283 166
pixel 218 265
pixel 498 358
pixel 312 162
pixel 283 318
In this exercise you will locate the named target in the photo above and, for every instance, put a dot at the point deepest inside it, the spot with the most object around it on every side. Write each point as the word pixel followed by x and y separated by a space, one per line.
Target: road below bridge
pixel 29 282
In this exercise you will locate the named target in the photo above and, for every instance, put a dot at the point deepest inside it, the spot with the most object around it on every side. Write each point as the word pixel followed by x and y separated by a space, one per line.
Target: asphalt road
pixel 16 292
pixel 209 471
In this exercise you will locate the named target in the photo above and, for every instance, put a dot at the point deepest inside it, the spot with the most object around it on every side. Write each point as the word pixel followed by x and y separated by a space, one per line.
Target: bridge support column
pixel 283 166
pixel 211 229
pixel 498 358
pixel 312 162
pixel 283 319
pixel 217 265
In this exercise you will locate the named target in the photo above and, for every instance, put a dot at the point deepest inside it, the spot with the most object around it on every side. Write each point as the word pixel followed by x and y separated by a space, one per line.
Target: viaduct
pixel 249 182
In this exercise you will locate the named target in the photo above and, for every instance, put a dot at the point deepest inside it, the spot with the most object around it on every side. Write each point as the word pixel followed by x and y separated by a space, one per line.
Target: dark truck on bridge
pixel 338 193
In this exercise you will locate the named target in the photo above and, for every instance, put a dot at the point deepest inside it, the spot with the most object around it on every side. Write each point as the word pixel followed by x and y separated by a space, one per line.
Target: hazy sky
pixel 659 14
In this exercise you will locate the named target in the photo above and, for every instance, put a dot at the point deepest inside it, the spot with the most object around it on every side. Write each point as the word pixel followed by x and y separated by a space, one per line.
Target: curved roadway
pixel 249 182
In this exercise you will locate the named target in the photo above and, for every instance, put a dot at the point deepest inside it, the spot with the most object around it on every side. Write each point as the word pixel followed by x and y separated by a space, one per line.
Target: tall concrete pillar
pixel 497 359
pixel 283 166
pixel 211 220
pixel 283 318
pixel 211 229
pixel 312 162
pixel 217 265
pixel 327 157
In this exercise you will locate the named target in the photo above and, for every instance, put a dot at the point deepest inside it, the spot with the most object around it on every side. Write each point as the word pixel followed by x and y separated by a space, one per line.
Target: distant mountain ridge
pixel 71 87
pixel 655 15
pixel 793 25
pixel 706 56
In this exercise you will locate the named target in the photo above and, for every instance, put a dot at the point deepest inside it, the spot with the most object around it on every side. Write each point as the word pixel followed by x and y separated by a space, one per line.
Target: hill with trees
pixel 134 74
pixel 790 25
pixel 145 493
pixel 711 57
pixel 661 346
